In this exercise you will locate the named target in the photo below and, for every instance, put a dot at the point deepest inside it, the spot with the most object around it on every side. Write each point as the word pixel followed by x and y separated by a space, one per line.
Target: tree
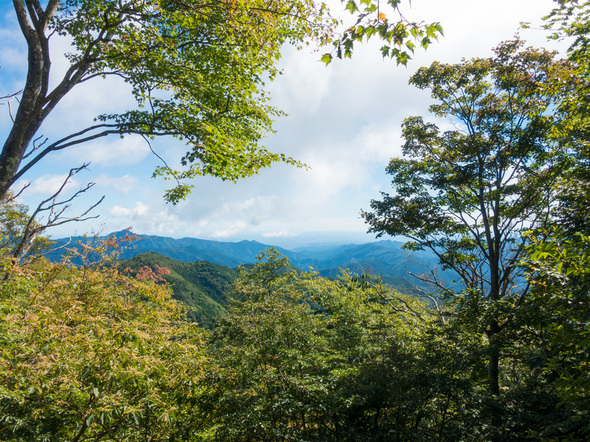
pixel 301 357
pixel 91 354
pixel 20 232
pixel 469 194
pixel 558 256
pixel 559 266
pixel 572 20
pixel 14 222
pixel 197 71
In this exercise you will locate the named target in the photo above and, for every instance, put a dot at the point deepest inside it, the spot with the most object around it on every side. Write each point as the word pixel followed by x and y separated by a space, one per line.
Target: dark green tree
pixel 469 193
pixel 300 357
pixel 558 257
pixel 559 307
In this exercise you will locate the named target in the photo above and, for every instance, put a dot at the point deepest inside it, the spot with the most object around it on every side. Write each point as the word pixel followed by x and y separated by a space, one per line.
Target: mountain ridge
pixel 384 258
pixel 202 271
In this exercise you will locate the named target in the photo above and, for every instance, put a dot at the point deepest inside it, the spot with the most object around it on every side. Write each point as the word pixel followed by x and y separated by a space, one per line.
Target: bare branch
pixel 71 140
pixel 11 96
pixel 36 146
pixel 55 210
pixel 9 102
pixel 12 198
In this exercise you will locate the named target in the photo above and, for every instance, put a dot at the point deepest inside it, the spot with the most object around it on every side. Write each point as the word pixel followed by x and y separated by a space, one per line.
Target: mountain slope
pixel 381 258
pixel 202 286
pixel 231 254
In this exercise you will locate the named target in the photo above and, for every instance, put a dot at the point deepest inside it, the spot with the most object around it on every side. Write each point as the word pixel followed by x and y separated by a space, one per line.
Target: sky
pixel 343 121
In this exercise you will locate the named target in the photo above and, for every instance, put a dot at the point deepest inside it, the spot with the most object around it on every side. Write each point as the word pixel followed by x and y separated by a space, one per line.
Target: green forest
pixel 151 349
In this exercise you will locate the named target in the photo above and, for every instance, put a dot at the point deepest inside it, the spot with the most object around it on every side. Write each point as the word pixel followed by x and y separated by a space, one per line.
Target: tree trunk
pixel 495 411
pixel 20 135
pixel 33 22
pixel 494 359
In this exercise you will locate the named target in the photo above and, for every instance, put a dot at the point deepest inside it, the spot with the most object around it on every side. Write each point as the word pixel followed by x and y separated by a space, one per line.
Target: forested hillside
pixel 201 286
pixel 205 287
pixel 385 259
pixel 230 254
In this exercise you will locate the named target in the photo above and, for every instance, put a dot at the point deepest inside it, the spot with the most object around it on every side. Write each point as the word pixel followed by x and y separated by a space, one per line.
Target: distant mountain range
pixel 202 271
pixel 380 258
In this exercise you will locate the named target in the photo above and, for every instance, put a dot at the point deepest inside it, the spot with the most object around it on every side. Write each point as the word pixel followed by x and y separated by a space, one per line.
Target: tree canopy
pixel 301 357
pixel 500 195
pixel 197 72
pixel 468 194
pixel 91 354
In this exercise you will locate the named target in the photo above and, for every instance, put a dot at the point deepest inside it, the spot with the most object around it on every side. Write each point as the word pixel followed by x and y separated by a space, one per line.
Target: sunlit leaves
pixel 197 70
pixel 88 353
pixel 371 21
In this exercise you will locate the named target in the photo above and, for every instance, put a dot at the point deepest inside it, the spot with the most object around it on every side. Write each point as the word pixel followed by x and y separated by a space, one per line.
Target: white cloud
pixel 233 229
pixel 128 151
pixel 154 218
pixel 87 100
pixel 379 142
pixel 344 121
pixel 138 210
pixel 250 211
pixel 279 234
pixel 328 176
pixel 49 184
pixel 305 82
pixel 120 185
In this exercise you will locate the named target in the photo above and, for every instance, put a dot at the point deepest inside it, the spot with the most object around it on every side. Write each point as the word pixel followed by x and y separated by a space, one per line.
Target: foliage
pixel 201 286
pixel 559 268
pixel 571 21
pixel 197 71
pixel 468 194
pixel 399 37
pixel 302 357
pixel 15 230
pixel 557 256
pixel 91 354
pixel 465 193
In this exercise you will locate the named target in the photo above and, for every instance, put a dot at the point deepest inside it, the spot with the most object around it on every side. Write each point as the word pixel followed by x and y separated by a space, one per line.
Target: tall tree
pixel 197 71
pixel 469 193
pixel 301 357
pixel 571 20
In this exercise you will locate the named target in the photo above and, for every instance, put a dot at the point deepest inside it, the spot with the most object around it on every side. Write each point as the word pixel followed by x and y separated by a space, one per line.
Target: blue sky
pixel 343 121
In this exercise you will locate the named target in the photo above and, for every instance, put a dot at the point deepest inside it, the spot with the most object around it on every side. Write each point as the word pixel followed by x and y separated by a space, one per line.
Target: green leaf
pixel 351 6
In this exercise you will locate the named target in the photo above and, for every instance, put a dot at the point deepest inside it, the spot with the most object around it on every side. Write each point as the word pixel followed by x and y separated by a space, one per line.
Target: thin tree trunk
pixel 494 359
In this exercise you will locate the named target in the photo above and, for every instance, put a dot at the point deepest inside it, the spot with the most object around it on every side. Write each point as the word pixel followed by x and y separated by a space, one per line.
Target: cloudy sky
pixel 343 121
